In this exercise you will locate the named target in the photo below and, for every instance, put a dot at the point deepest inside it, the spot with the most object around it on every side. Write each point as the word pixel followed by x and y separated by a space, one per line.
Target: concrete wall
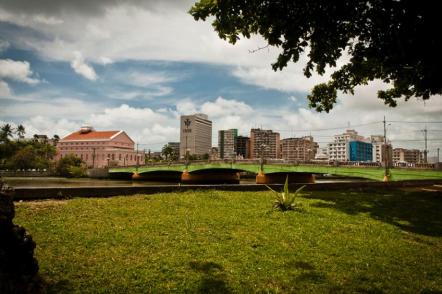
pixel 25 173
pixel 62 193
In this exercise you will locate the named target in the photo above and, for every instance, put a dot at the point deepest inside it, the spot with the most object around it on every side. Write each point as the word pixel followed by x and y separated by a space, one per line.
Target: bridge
pixel 229 172
pixel 273 172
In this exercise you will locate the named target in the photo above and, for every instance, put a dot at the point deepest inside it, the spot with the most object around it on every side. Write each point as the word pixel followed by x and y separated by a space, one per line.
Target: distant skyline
pixel 138 65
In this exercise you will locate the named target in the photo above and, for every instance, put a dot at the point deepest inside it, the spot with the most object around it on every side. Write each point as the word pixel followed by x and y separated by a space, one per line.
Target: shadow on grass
pixel 213 277
pixel 62 286
pixel 417 212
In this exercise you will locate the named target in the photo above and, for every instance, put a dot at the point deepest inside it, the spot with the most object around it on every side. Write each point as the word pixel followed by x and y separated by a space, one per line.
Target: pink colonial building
pixel 100 148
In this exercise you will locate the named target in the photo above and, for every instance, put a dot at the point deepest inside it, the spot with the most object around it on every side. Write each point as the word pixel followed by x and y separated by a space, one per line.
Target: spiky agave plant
pixel 285 200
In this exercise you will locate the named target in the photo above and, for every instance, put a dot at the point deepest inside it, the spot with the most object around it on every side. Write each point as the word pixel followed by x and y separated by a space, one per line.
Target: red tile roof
pixel 94 135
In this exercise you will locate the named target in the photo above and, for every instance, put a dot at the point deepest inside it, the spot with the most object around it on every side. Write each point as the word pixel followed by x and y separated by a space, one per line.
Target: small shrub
pixel 285 200
pixel 77 171
pixel 65 164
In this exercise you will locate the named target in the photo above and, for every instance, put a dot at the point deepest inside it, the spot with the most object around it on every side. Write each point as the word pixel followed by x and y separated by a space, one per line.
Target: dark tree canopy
pixel 396 41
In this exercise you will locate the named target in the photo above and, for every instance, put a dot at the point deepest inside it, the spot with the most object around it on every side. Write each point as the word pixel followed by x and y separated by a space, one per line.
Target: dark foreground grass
pixel 220 242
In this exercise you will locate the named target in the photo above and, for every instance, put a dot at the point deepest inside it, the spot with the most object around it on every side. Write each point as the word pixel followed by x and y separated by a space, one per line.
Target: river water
pixel 20 182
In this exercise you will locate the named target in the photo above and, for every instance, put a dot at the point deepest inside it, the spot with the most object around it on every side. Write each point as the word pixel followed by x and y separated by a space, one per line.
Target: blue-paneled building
pixel 360 151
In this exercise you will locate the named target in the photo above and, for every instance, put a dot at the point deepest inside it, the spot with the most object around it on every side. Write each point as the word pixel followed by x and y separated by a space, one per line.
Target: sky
pixel 138 65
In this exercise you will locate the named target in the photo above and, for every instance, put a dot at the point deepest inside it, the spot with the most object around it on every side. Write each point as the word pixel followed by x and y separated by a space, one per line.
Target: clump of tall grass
pixel 285 200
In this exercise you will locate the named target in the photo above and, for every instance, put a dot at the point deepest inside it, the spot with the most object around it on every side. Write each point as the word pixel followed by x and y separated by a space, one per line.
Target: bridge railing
pixel 295 162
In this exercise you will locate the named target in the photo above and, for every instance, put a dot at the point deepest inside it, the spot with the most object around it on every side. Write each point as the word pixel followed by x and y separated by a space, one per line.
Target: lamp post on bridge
pixel 261 160
pixel 186 160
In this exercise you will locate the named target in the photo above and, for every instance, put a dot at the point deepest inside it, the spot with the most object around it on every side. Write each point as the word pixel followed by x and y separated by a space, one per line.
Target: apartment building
pixel 242 147
pixel 298 149
pixel 264 143
pixel 401 155
pixel 339 150
pixel 226 143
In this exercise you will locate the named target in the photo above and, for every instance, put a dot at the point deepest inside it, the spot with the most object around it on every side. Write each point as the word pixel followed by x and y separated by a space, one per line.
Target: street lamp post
pixel 186 161
pixel 261 161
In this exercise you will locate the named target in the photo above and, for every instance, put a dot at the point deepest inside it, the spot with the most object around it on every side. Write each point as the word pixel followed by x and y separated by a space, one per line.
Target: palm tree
pixel 6 132
pixel 20 131
pixel 167 151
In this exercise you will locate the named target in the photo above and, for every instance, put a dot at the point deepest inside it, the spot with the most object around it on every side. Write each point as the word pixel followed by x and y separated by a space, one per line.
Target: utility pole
pixel 386 172
pixel 438 155
pixel 425 151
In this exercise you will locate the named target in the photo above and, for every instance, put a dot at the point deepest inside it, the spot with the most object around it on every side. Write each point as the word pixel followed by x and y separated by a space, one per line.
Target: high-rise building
pixel 401 155
pixel 338 150
pixel 242 147
pixel 264 143
pixel 195 135
pixel 360 151
pixel 226 143
pixel 299 149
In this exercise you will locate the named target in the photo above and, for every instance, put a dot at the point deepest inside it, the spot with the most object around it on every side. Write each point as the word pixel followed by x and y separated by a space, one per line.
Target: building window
pixel 113 156
pixel 86 156
pixel 119 156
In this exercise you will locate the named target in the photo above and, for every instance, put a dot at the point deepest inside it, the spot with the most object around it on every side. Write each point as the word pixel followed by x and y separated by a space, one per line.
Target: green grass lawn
pixel 219 242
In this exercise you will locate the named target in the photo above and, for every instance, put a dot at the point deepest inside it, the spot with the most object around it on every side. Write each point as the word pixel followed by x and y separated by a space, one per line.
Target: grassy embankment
pixel 213 241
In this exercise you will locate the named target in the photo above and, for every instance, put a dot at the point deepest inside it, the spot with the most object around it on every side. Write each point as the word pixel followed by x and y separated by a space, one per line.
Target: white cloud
pixel 185 107
pixel 303 119
pixel 52 107
pixel 5 91
pixel 148 79
pixel 293 98
pixel 141 95
pixel 126 115
pixel 290 79
pixel 4 45
pixel 80 67
pixel 45 20
pixel 105 60
pixel 48 126
pixel 150 128
pixel 17 70
pixel 224 107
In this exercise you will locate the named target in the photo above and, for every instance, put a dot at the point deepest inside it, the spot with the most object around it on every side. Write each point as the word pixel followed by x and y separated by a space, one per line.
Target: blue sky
pixel 139 65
